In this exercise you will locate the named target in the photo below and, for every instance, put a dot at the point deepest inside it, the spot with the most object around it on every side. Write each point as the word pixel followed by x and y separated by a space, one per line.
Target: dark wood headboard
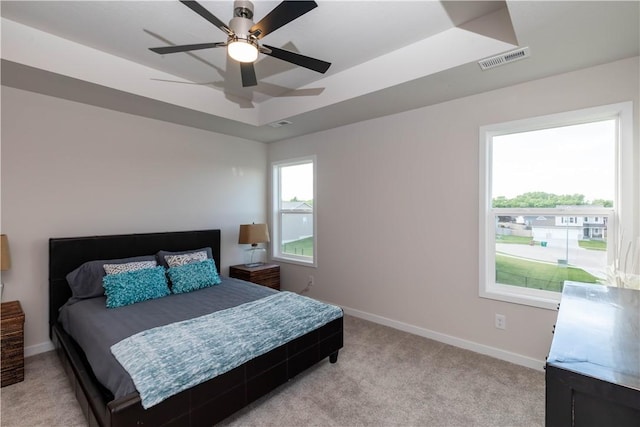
pixel 67 254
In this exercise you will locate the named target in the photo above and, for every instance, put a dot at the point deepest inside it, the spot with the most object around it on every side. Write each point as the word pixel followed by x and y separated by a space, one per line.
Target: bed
pixel 204 404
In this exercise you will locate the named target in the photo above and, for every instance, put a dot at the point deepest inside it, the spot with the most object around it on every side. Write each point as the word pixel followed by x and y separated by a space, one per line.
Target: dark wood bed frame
pixel 202 405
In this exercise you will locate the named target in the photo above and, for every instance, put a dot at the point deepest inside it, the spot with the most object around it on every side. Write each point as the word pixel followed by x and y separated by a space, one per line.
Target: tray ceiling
pixel 91 50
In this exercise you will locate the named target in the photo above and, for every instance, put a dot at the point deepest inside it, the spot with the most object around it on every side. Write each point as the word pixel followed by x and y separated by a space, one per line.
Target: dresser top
pixel 598 333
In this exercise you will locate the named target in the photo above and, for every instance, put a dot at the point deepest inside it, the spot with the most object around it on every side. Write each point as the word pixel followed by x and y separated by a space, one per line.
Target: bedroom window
pixel 555 194
pixel 294 211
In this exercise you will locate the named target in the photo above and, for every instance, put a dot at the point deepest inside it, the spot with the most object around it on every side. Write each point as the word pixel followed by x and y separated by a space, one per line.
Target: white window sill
pixel 295 261
pixel 531 297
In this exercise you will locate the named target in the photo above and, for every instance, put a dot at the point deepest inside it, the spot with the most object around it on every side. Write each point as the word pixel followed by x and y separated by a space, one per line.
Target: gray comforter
pixel 96 328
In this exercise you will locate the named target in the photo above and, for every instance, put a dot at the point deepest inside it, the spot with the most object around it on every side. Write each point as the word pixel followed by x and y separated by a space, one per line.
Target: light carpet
pixel 384 377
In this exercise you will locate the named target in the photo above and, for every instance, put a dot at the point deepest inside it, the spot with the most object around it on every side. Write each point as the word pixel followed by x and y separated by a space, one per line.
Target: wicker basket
pixel 12 343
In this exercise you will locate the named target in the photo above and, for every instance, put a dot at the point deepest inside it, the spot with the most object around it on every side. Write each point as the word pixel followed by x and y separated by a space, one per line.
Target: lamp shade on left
pixel 5 256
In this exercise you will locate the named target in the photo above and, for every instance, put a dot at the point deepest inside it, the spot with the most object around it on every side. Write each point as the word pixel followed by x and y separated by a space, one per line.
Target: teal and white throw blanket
pixel 166 360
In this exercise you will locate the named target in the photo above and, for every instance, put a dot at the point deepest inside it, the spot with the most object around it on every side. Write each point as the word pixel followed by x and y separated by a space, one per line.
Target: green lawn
pixel 596 245
pixel 538 275
pixel 299 247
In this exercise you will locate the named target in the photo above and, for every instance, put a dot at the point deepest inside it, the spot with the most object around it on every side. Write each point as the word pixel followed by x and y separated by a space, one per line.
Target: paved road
pixel 595 262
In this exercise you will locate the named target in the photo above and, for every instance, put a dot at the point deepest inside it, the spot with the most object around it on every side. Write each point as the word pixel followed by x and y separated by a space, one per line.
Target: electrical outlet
pixel 501 321
pixel 311 280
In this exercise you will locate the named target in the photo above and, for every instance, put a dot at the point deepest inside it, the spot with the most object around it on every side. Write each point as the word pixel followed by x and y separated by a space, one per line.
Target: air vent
pixel 504 58
pixel 279 123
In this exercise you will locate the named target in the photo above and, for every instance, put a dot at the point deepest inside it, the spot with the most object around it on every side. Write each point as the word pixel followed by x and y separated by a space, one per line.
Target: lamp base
pixel 254 264
pixel 255 257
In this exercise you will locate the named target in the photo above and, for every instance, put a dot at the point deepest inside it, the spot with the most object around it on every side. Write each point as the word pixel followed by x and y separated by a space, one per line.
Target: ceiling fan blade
pixel 248 73
pixel 197 8
pixel 186 47
pixel 296 58
pixel 281 15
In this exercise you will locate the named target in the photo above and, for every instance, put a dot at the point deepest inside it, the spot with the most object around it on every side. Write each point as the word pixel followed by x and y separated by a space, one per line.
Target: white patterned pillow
pixel 184 259
pixel 129 266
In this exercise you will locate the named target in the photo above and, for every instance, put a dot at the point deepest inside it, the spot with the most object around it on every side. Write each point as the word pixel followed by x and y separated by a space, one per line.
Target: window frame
pixel 276 212
pixel 620 215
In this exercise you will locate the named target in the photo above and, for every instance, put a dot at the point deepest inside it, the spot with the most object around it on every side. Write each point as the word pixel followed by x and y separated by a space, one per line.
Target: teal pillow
pixel 135 286
pixel 197 275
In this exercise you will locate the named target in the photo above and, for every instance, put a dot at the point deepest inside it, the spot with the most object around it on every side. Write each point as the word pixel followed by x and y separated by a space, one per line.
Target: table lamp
pixel 253 234
pixel 5 258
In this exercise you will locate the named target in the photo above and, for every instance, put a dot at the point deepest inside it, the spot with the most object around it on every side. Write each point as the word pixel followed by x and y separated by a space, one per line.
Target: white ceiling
pixel 387 57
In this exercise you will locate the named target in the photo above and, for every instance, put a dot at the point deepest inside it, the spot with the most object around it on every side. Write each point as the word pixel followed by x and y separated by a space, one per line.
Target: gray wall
pixel 70 169
pixel 386 189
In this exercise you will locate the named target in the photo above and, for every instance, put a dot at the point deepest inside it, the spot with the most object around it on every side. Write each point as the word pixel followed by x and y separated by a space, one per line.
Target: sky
pixel 297 181
pixel 577 159
pixel 563 160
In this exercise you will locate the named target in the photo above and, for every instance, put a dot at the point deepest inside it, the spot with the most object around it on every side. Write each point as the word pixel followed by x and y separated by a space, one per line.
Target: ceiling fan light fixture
pixel 242 50
pixel 243 36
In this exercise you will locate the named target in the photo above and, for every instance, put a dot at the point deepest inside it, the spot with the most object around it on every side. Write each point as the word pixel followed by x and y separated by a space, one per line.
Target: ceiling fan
pixel 243 36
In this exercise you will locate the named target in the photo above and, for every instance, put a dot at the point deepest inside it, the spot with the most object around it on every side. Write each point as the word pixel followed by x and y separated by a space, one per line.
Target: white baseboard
pixel 32 350
pixel 497 353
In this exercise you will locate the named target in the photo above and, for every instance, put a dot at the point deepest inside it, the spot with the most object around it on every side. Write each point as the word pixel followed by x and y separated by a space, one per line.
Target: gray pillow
pixel 163 262
pixel 183 259
pixel 86 280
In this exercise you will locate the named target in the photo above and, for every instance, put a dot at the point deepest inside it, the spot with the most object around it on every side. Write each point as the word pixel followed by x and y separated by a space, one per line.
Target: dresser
pixel 12 343
pixel 593 368
pixel 266 274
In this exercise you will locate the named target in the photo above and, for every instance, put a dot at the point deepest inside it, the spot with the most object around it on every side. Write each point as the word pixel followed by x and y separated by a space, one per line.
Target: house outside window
pixel 550 202
pixel 293 208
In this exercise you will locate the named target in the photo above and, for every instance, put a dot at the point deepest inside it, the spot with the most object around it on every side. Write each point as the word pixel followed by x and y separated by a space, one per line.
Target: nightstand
pixel 266 274
pixel 12 343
